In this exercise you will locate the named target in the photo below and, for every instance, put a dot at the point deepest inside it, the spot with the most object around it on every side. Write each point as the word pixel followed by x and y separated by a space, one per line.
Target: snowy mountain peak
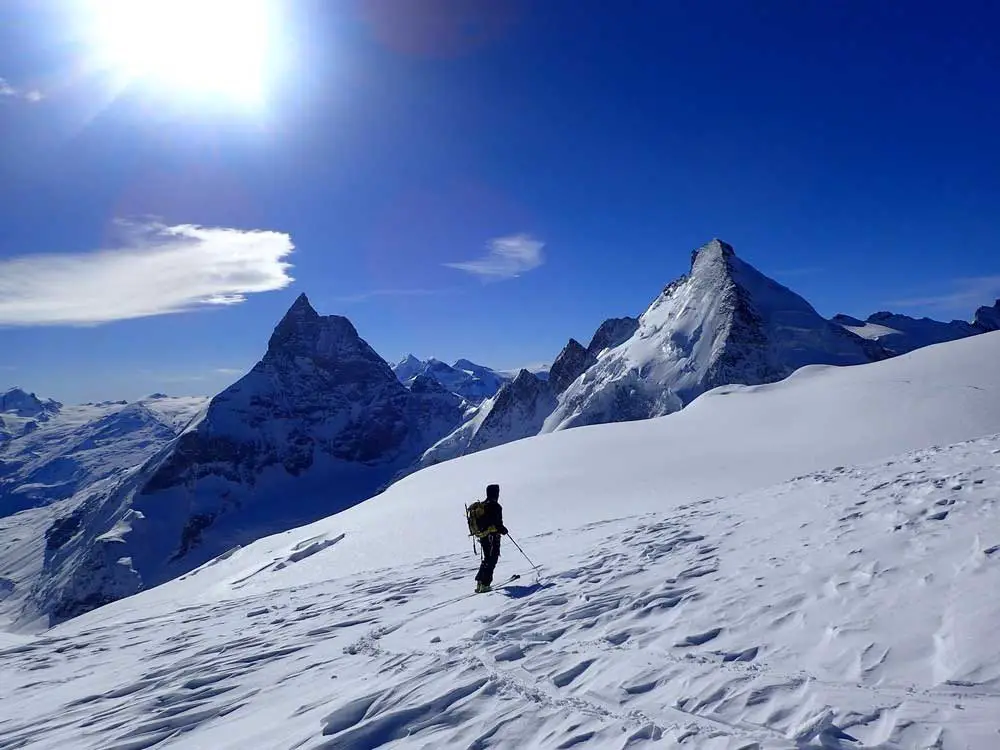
pixel 474 383
pixel 303 332
pixel 723 323
pixel 21 403
pixel 715 251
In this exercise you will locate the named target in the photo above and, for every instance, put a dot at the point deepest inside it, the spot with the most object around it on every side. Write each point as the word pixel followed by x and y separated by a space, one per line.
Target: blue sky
pixel 483 180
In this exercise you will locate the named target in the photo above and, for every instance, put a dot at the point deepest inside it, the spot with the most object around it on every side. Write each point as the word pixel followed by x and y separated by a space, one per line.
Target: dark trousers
pixel 491 553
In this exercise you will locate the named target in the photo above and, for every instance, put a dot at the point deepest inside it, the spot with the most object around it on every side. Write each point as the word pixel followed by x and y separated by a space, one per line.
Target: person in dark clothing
pixel 490 522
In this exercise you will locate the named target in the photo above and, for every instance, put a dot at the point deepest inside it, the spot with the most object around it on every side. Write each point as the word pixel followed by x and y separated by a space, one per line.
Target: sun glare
pixel 214 47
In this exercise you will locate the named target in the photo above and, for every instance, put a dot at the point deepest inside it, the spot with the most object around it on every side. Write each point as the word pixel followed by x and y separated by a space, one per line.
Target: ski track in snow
pixel 859 602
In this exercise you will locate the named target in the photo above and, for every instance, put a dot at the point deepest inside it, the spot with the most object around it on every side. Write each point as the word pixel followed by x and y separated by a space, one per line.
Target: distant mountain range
pixel 474 383
pixel 900 334
pixel 126 496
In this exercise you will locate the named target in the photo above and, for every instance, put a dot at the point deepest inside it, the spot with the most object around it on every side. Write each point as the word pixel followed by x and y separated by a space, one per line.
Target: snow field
pixel 855 601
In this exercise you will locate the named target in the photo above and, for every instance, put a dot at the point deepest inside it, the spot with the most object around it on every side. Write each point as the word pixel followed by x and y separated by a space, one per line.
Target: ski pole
pixel 522 552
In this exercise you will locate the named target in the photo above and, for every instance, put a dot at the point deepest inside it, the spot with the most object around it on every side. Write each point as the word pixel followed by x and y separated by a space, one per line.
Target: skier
pixel 486 524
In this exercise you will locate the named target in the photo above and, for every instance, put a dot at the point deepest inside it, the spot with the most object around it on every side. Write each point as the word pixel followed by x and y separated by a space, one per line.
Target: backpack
pixel 474 514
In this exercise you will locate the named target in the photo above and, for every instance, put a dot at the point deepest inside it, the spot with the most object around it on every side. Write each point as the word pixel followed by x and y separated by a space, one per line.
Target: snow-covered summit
pixel 20 403
pixel 408 368
pixel 723 323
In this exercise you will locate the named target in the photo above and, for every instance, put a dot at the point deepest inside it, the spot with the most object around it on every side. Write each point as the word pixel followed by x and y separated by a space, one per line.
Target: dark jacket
pixel 491 520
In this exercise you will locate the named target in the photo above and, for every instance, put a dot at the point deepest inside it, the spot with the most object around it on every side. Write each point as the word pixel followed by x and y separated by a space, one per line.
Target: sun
pixel 219 48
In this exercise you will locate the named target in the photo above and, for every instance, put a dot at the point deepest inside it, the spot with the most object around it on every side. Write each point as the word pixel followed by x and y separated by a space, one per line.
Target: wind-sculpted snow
pixel 851 607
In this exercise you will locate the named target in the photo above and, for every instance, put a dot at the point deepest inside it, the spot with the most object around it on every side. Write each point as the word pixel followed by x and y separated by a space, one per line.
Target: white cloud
pixel 967 295
pixel 9 91
pixel 508 257
pixel 156 270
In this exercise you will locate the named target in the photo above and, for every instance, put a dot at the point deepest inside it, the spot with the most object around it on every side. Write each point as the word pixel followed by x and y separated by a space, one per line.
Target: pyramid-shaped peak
pixel 301 307
pixel 712 251
pixel 303 331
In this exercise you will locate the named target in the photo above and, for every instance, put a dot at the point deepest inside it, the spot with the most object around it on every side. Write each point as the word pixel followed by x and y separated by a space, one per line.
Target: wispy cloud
pixel 155 270
pixel 228 371
pixel 10 92
pixel 507 258
pixel 966 294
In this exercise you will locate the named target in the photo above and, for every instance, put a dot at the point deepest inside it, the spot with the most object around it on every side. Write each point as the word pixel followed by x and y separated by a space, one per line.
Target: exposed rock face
pixel 518 411
pixel 574 360
pixel 611 333
pixel 987 319
pixel 571 363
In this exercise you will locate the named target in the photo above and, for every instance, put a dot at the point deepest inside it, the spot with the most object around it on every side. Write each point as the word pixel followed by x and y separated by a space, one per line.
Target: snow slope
pixel 776 567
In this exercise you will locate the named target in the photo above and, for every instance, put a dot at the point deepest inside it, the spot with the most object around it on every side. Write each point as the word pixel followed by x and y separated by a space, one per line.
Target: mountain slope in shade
pixel 724 323
pixel 987 319
pixel 321 415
